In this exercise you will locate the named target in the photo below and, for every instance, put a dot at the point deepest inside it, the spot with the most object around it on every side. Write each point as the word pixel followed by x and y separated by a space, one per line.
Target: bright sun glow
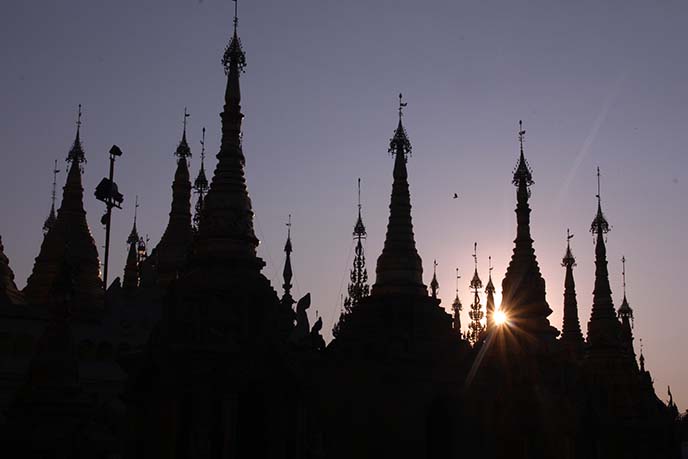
pixel 499 317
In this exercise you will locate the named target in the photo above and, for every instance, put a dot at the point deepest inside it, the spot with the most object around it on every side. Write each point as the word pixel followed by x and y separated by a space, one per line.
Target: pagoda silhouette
pixel 194 354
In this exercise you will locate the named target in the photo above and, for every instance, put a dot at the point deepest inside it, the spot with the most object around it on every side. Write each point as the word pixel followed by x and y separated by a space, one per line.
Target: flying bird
pixel 456 195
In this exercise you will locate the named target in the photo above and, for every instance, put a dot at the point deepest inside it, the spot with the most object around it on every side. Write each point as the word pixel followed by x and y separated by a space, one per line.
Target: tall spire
pixel 489 303
pixel 134 234
pixel 200 185
pixel 434 285
pixel 523 288
pixel 50 221
pixel 226 229
pixel 76 153
pixel 172 250
pixel 287 273
pixel 399 267
pixel 131 269
pixel 475 327
pixel 69 240
pixel 625 314
pixel 571 335
pixel 457 307
pixel 603 327
pixel 358 277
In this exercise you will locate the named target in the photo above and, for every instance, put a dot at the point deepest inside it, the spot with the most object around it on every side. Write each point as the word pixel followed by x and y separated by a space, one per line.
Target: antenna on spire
pixel 623 273
pixel 521 133
pixel 136 208
pixel 203 146
pixel 78 119
pixel 457 281
pixel 475 255
pixel 401 106
pixel 288 224
pixel 236 14
pixel 489 264
pixel 598 184
pixel 359 195
pixel 569 236
pixel 186 115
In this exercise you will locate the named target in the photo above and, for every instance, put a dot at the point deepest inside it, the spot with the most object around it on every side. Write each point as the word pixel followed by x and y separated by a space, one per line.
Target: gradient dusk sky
pixel 597 83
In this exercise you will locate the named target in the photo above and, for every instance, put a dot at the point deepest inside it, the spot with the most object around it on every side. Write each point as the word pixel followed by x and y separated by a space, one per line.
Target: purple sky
pixel 597 83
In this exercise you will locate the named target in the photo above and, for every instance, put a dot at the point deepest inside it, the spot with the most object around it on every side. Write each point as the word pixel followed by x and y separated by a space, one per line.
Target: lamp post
pixel 107 192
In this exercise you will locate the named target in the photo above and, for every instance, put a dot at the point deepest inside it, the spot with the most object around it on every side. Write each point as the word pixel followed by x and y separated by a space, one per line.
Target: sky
pixel 596 83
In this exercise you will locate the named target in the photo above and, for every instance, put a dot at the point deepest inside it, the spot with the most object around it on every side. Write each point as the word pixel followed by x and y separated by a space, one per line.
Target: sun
pixel 500 317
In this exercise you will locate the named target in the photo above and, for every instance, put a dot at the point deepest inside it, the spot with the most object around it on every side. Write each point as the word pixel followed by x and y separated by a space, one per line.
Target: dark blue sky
pixel 597 83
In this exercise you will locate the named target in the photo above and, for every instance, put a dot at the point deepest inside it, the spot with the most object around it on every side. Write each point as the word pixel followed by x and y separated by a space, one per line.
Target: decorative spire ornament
pixel 287 273
pixel 434 285
pixel 131 268
pixel 625 314
pixel 50 221
pixel 571 335
pixel 358 277
pixel 475 327
pixel 76 153
pixel 399 267
pixel 200 185
pixel 234 53
pixel 489 303
pixel 183 152
pixel 134 234
pixel 457 307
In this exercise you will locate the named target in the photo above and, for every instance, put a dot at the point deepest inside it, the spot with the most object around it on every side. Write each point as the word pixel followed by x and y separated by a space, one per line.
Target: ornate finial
pixel 625 311
pixel 522 171
pixel 76 153
pixel 457 306
pixel 475 327
pixel 287 246
pixel 134 235
pixel 476 283
pixel 287 272
pixel 50 221
pixel 234 54
pixel 183 151
pixel 399 144
pixel 203 146
pixel 568 259
pixel 434 285
pixel 359 228
pixel 489 288
pixel 599 223
pixel 288 224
